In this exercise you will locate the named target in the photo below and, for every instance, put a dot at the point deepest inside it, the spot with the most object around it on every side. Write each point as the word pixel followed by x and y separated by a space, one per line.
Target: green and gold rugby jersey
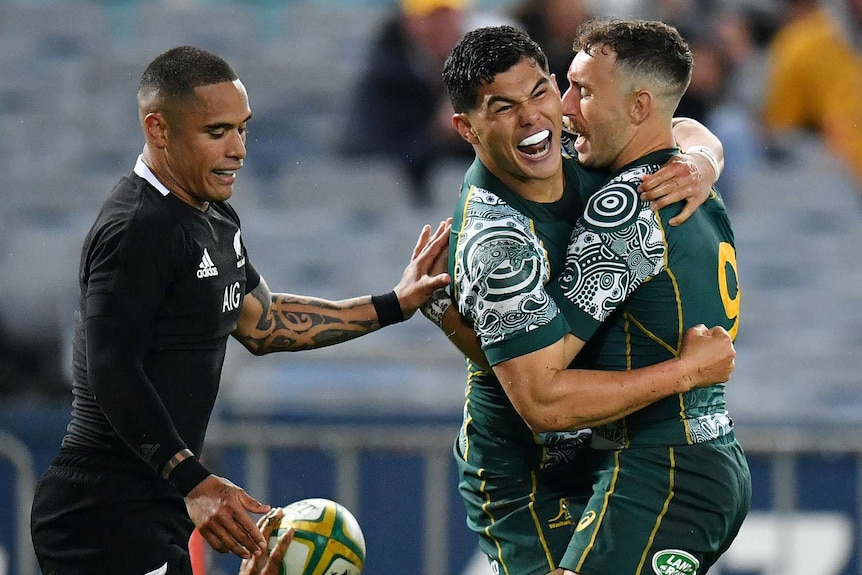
pixel 504 250
pixel 633 285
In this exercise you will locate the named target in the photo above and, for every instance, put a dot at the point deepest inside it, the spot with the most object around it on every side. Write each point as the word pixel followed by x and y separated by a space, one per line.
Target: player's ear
pixel 155 129
pixel 640 106
pixel 462 124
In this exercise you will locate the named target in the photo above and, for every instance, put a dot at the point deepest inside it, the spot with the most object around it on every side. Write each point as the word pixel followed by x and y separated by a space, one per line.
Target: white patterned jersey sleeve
pixel 501 269
pixel 616 246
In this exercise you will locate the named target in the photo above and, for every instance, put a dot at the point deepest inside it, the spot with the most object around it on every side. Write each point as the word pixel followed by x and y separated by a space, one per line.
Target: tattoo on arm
pixel 295 323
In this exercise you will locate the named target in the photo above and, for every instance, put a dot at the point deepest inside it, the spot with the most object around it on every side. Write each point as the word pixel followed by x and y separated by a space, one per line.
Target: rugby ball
pixel 327 539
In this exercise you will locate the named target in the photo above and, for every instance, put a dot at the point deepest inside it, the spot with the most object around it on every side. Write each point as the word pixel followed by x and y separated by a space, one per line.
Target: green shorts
pixel 657 510
pixel 522 512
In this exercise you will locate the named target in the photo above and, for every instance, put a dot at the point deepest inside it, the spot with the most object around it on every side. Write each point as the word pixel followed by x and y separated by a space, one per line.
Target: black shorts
pixel 89 517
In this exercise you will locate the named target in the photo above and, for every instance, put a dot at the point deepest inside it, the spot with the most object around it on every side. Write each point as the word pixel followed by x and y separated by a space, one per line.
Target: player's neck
pixel 540 191
pixel 163 174
pixel 642 144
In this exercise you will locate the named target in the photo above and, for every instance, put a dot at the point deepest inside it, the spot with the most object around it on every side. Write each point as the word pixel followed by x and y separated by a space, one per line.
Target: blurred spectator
pixel 709 76
pixel 400 109
pixel 726 87
pixel 552 24
pixel 815 77
pixel 683 14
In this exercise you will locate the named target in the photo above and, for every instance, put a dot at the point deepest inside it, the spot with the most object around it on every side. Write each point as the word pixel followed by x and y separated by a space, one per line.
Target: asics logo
pixel 207 268
pixel 586 520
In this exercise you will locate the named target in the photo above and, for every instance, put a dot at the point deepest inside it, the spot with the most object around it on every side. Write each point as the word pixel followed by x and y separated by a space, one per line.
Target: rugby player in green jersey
pixel 524 488
pixel 672 485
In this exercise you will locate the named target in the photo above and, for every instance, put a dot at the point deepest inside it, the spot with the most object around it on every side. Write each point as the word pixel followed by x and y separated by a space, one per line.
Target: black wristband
pixel 388 309
pixel 187 475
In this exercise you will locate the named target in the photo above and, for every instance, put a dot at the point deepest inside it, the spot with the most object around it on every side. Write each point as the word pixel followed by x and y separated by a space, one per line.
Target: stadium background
pixel 370 422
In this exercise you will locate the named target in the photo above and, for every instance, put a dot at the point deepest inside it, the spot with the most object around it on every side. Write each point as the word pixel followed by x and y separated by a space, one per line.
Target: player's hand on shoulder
pixel 709 355
pixel 425 272
pixel 682 178
pixel 269 563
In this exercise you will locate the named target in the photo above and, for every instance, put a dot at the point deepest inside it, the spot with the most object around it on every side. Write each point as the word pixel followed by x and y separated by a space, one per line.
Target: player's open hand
pixel 684 177
pixel 423 274
pixel 269 563
pixel 709 355
pixel 220 511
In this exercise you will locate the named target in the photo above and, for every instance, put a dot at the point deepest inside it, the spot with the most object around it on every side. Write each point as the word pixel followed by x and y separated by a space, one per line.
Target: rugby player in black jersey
pixel 164 280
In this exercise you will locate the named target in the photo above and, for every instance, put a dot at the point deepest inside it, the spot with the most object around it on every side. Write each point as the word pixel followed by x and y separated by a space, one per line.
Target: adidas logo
pixel 207 268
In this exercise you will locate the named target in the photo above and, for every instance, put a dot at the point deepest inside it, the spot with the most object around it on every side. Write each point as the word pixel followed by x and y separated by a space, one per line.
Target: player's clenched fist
pixel 711 354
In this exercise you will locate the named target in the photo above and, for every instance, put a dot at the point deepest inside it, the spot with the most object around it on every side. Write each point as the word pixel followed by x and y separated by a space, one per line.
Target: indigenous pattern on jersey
pixel 616 247
pixel 501 270
pixel 633 285
pixel 504 250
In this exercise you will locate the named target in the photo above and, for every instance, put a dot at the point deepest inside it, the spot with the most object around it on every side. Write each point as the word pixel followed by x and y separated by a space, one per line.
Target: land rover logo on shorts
pixel 674 562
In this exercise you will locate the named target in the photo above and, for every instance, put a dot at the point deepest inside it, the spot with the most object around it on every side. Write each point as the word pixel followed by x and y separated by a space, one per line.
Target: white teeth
pixel 567 124
pixel 535 138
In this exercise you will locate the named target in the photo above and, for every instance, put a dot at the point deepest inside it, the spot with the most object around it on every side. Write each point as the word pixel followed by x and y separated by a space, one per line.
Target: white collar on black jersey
pixel 145 172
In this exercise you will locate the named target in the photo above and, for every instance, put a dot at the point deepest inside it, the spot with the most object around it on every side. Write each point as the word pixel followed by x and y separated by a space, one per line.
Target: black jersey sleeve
pixel 121 387
pixel 252 277
pixel 129 269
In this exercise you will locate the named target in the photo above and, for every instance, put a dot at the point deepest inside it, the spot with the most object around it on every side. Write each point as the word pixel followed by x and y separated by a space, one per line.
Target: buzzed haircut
pixel 482 54
pixel 176 73
pixel 644 49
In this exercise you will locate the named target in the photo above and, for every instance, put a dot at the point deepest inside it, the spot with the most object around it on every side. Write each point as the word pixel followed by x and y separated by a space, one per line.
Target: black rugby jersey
pixel 172 278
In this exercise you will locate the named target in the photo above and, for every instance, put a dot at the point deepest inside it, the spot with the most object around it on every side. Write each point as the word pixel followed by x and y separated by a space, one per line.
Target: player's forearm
pixel 125 394
pixel 296 323
pixel 440 310
pixel 461 334
pixel 576 399
pixel 691 134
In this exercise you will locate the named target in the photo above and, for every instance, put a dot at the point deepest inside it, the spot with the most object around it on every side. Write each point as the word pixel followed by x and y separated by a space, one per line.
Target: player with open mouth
pixel 536 146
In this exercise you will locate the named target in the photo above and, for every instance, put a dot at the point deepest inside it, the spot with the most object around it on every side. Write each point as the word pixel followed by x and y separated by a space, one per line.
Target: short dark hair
pixel 644 49
pixel 176 73
pixel 482 54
